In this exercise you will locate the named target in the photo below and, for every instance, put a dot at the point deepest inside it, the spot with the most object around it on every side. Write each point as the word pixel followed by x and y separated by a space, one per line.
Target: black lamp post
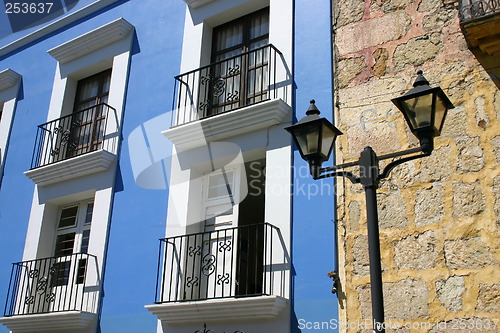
pixel 424 109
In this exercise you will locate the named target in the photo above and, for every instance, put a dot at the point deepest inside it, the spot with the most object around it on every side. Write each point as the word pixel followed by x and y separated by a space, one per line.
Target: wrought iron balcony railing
pixel 73 135
pixel 55 284
pixel 234 262
pixel 226 85
pixel 475 9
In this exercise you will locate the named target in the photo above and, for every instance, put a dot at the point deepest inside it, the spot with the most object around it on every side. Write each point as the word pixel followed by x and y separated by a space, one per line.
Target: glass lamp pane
pixel 327 142
pixel 418 110
pixel 440 113
pixel 313 143
pixel 307 138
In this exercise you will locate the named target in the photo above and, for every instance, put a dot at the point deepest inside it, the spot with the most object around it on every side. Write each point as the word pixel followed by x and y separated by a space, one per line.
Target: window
pixel 241 35
pixel 72 237
pixel 241 59
pixel 220 189
pixel 80 120
pixel 88 120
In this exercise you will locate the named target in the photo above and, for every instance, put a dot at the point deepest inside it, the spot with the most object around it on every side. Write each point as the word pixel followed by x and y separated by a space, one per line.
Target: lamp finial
pixel 420 80
pixel 312 108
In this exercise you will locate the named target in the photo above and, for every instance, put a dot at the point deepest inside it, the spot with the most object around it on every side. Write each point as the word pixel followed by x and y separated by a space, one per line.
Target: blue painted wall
pixel 138 217
pixel 313 237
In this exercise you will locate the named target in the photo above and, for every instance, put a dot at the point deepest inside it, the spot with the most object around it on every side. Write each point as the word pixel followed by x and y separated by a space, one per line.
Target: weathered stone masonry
pixel 439 216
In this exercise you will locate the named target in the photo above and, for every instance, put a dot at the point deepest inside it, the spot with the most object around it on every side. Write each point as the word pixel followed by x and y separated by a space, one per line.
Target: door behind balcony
pixel 237 80
pixel 87 122
pixel 227 259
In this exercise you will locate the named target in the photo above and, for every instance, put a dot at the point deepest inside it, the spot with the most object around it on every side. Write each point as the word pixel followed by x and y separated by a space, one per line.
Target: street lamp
pixel 424 109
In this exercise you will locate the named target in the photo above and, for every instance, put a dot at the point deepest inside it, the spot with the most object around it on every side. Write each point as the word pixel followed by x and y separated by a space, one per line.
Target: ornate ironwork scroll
pixel 41 283
pixel 208 264
pixel 474 9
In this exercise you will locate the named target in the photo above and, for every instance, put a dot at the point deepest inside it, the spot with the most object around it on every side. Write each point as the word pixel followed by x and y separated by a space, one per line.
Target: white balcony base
pixel 71 168
pixel 228 124
pixel 259 307
pixel 66 320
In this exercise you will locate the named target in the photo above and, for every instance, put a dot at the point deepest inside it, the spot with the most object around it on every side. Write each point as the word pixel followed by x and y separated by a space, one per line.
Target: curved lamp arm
pixel 346 174
pixel 393 164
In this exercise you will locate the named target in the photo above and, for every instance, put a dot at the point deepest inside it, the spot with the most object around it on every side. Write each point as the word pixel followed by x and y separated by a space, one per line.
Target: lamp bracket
pixel 368 162
pixel 393 164
pixel 346 174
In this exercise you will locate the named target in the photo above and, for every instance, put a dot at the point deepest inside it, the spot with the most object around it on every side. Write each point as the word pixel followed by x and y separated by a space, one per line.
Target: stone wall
pixel 439 216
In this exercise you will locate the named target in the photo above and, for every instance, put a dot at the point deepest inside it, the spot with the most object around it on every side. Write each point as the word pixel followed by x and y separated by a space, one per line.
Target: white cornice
pixel 8 78
pixel 49 321
pixel 92 41
pixel 219 309
pixel 51 27
pixel 229 124
pixel 75 167
pixel 197 3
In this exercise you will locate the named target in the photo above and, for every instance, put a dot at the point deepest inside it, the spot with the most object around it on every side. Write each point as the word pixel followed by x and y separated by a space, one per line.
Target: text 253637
pixel 28 8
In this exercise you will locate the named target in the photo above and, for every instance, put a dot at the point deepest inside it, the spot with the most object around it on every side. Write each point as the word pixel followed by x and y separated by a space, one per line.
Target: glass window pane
pixel 259 26
pixel 106 82
pixel 90 210
pixel 91 90
pixel 68 217
pixel 65 244
pixel 242 32
pixel 85 241
pixel 82 267
pixel 60 273
pixel 87 88
pixel 219 185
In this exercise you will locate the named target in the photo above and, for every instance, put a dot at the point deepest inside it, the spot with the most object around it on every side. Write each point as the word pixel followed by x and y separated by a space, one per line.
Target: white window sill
pixel 49 321
pixel 259 307
pixel 225 125
pixel 71 168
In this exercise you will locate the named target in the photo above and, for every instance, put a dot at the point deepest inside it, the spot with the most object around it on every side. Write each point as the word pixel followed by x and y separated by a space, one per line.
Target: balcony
pixel 75 145
pixel 234 96
pixel 52 293
pixel 480 23
pixel 232 273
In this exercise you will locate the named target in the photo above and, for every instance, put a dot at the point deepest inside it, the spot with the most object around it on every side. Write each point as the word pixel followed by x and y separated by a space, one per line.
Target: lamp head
pixel 314 136
pixel 424 109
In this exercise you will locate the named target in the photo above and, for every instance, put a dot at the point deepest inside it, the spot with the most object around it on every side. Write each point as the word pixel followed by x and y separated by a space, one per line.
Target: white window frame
pixel 81 225
pixel 222 220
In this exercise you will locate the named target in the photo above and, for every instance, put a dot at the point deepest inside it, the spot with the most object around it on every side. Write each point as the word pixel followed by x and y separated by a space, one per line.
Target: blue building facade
pixel 124 122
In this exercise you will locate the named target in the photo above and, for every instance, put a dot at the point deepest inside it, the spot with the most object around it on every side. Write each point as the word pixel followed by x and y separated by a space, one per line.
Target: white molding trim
pixel 197 3
pixel 51 27
pixel 229 124
pixel 8 78
pixel 75 167
pixel 258 307
pixel 49 321
pixel 92 41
